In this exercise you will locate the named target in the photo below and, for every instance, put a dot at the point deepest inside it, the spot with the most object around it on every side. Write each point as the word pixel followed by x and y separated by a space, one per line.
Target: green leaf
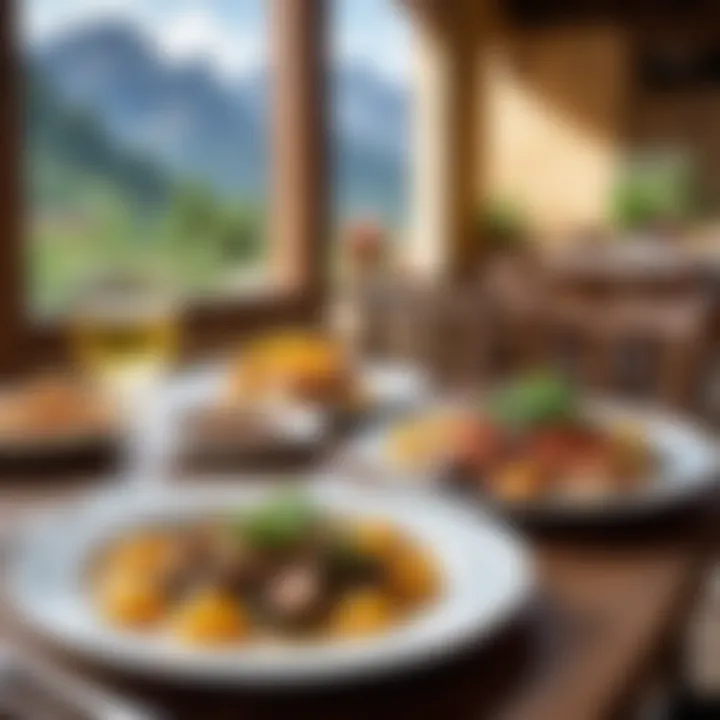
pixel 282 522
pixel 534 400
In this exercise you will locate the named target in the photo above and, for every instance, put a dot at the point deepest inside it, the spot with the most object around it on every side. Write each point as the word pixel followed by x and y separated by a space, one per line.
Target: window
pixel 146 142
pixel 290 190
pixel 370 89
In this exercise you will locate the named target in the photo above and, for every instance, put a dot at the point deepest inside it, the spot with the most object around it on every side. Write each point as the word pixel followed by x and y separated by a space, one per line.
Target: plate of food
pixel 248 584
pixel 288 393
pixel 311 369
pixel 537 448
pixel 53 414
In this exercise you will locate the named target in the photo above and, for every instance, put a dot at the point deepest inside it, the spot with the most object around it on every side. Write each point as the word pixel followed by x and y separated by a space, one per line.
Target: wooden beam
pixel 299 186
pixel 447 133
pixel 12 269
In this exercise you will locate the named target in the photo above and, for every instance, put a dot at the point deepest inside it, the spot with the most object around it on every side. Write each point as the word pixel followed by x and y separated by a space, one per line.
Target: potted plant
pixel 655 195
pixel 502 229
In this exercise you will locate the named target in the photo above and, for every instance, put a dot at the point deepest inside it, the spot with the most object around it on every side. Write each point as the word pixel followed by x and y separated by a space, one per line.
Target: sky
pixel 232 34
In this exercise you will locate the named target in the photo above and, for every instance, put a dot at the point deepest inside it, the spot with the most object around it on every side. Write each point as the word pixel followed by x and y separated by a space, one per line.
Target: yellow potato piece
pixel 413 576
pixel 144 554
pixel 129 600
pixel 377 539
pixel 360 613
pixel 411 446
pixel 211 618
pixel 277 362
pixel 631 449
pixel 517 482
pixel 421 442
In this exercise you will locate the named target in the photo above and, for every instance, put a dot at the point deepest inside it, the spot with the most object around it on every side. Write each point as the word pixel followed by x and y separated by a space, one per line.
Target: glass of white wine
pixel 124 335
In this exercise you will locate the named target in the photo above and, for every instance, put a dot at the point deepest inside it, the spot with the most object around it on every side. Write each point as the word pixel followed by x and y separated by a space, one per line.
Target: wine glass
pixel 124 335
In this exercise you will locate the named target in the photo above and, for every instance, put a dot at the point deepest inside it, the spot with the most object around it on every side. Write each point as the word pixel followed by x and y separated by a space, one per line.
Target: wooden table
pixel 606 623
pixel 627 263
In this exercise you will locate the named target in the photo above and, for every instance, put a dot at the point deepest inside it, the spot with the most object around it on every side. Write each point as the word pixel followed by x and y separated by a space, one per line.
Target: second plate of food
pixel 539 450
pixel 287 394
pixel 54 415
pixel 312 369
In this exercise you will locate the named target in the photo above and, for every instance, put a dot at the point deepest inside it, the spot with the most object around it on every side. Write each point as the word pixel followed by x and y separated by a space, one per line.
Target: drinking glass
pixel 124 335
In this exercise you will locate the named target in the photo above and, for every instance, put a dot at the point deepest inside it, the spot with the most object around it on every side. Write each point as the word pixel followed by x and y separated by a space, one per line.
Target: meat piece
pixel 473 446
pixel 236 568
pixel 207 556
pixel 518 481
pixel 349 568
pixel 179 577
pixel 558 450
pixel 296 595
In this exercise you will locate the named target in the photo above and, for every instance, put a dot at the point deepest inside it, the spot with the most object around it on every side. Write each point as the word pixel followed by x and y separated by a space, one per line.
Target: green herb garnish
pixel 280 523
pixel 534 400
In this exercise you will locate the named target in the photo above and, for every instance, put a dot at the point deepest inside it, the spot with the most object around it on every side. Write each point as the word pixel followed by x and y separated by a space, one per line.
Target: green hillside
pixel 69 155
pixel 95 206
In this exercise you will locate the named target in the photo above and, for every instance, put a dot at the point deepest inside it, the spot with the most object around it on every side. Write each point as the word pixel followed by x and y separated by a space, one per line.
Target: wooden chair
pixel 673 330
pixel 637 328
pixel 458 334
pixel 573 332
pixel 443 327
pixel 390 324
pixel 514 297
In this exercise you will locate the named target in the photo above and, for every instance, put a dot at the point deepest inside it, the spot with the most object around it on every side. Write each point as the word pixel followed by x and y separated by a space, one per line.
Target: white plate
pixel 687 464
pixel 389 387
pixel 485 569
pixel 60 444
pixel 395 386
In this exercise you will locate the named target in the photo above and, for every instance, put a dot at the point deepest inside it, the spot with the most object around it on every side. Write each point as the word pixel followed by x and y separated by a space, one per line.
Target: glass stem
pixel 148 436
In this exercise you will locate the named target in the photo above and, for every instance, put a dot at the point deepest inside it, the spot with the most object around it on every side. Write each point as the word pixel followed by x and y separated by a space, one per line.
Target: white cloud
pixel 190 29
pixel 42 19
pixel 388 54
pixel 197 33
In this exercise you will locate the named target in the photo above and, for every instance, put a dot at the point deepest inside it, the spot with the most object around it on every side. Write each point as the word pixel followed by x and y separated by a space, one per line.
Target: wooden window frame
pixel 298 222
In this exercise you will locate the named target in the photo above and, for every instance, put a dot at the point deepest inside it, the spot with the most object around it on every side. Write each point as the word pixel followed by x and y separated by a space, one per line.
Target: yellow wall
pixel 538 119
pixel 445 133
pixel 555 101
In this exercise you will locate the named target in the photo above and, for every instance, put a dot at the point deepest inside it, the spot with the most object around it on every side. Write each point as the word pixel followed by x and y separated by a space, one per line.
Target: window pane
pixel 370 90
pixel 146 142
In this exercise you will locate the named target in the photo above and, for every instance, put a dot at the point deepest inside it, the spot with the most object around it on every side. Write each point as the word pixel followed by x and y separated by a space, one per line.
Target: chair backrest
pixel 440 326
pixel 458 333
pixel 390 317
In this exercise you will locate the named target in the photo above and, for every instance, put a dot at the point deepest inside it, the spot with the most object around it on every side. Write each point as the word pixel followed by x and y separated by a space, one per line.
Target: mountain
pixel 69 153
pixel 370 112
pixel 179 116
pixel 370 143
pixel 192 124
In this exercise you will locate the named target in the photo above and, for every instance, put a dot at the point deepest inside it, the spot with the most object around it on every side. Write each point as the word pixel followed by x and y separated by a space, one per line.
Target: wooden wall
pixel 557 109
pixel 534 116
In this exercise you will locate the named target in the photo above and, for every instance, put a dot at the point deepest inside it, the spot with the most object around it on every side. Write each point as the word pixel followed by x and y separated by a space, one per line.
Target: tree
pixel 239 235
pixel 207 237
pixel 193 214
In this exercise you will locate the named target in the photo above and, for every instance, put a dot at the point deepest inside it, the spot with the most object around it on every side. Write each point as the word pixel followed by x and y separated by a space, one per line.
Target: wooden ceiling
pixel 651 12
pixel 654 13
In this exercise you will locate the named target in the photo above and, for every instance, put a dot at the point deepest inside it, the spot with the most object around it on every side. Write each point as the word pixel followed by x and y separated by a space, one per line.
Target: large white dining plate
pixel 687 462
pixel 485 570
